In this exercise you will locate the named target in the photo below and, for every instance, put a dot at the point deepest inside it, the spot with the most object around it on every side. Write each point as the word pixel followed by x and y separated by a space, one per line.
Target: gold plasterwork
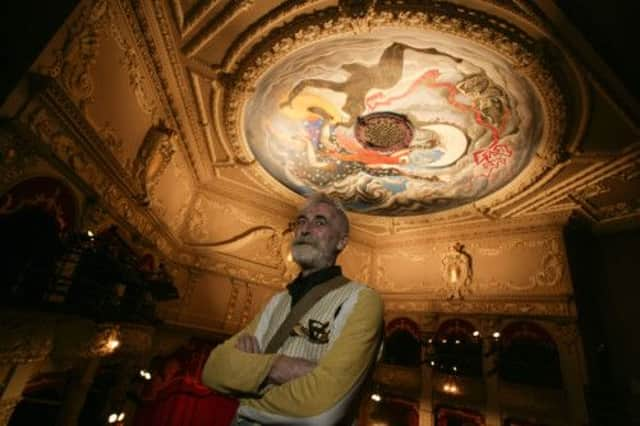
pixel 457 273
pixel 171 82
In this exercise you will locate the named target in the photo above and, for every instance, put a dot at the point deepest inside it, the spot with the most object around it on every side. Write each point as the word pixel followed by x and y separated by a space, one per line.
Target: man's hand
pixel 286 368
pixel 248 343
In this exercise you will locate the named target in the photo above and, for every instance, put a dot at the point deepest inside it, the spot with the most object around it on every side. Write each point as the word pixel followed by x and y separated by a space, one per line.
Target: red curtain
pixel 176 396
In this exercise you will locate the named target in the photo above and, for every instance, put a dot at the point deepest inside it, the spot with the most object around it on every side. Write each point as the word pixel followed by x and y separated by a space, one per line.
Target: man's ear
pixel 342 243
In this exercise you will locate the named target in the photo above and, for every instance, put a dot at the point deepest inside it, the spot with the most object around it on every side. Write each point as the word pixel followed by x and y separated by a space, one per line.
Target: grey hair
pixel 322 198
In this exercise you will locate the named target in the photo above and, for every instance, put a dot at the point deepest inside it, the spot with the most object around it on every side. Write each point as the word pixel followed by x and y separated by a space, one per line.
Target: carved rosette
pixel 457 272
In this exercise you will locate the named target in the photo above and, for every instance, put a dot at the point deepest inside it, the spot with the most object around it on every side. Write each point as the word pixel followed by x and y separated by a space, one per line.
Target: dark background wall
pixel 25 28
pixel 605 272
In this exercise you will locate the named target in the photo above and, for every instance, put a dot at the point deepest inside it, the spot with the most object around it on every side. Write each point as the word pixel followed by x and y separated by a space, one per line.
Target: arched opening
pixel 456 350
pixel 394 412
pixel 449 416
pixel 528 355
pixel 34 216
pixel 402 345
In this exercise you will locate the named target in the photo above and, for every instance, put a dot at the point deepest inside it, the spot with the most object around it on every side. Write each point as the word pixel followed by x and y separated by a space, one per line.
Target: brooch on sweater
pixel 317 331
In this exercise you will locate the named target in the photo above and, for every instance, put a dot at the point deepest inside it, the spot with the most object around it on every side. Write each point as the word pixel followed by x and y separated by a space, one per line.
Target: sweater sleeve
pixel 232 371
pixel 337 375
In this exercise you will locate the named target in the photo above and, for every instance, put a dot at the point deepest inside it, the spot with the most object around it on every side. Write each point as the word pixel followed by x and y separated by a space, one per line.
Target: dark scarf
pixel 301 285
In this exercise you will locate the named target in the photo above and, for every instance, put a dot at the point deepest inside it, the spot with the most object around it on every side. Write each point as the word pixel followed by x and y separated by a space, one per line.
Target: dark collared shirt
pixel 301 285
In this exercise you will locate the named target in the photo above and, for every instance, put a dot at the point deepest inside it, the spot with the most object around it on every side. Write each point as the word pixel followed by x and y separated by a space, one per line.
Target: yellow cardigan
pixel 322 397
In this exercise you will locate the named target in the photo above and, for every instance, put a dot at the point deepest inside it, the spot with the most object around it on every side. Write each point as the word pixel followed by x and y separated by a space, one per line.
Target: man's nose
pixel 303 228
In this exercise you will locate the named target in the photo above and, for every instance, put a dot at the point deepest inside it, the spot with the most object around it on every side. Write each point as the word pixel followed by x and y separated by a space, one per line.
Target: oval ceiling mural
pixel 397 122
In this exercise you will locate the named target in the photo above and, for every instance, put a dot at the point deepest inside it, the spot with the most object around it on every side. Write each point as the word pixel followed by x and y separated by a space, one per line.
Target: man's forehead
pixel 318 209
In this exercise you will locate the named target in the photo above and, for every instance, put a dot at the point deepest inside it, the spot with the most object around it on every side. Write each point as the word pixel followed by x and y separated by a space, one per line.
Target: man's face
pixel 318 237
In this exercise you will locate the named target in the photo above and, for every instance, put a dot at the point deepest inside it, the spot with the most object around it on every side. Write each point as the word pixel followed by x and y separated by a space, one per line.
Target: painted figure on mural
pixel 304 358
pixel 392 125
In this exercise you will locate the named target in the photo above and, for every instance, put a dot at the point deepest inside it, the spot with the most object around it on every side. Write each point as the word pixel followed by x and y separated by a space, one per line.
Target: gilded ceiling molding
pixel 489 307
pixel 228 14
pixel 195 15
pixel 238 241
pixel 135 71
pixel 266 241
pixel 525 225
pixel 257 30
pixel 135 16
pixel 178 12
pixel 581 186
pixel 521 50
pixel 76 57
pixel 58 124
pixel 231 269
pixel 207 127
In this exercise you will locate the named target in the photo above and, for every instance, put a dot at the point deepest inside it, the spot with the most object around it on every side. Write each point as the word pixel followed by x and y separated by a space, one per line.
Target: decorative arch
pixel 402 343
pixel 455 350
pixel 449 416
pixel 35 215
pixel 456 327
pixel 529 355
pixel 49 194
pixel 395 411
pixel 403 323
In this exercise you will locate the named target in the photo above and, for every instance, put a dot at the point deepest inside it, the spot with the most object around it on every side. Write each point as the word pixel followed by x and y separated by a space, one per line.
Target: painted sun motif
pixel 395 122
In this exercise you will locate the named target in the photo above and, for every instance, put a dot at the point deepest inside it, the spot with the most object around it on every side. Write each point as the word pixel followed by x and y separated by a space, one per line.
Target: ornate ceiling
pixel 201 123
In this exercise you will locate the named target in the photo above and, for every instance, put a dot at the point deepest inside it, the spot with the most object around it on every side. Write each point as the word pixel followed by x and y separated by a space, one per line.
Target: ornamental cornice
pixel 135 15
pixel 530 307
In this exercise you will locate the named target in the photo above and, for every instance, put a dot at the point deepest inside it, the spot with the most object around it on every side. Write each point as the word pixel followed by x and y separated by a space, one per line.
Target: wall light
pixel 112 344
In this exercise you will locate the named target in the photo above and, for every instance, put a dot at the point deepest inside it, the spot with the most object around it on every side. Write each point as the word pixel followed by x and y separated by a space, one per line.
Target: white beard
pixel 305 255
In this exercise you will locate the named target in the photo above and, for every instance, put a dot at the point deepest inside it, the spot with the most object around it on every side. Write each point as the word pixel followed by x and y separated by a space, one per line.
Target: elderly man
pixel 303 359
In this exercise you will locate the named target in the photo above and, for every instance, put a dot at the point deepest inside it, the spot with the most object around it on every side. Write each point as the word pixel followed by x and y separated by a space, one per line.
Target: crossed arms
pixel 301 388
